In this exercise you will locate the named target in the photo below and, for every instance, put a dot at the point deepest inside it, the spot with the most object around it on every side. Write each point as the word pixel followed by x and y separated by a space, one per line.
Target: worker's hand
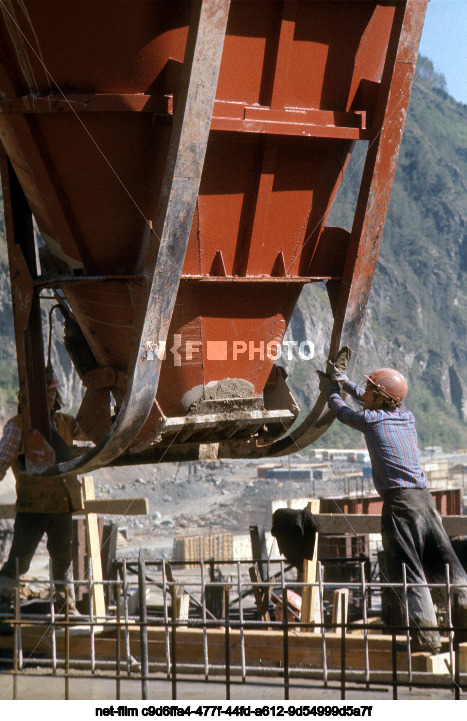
pixel 326 384
pixel 337 370
pixel 337 374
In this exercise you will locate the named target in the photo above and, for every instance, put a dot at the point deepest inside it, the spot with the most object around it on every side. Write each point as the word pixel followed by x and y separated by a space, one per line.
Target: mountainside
pixel 417 318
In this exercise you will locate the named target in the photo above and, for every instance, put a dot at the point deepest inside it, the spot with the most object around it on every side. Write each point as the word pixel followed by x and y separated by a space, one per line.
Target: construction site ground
pixel 185 499
pixel 194 690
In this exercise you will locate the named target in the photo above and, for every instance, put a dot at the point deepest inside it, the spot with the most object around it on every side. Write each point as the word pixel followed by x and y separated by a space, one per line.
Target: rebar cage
pixel 227 637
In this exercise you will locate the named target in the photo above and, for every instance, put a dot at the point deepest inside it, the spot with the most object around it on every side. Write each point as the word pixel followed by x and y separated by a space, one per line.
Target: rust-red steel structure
pixel 180 160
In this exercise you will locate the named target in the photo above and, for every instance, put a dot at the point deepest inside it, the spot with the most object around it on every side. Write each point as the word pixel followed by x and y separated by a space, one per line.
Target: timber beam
pixel 102 506
pixel 261 647
pixel 330 523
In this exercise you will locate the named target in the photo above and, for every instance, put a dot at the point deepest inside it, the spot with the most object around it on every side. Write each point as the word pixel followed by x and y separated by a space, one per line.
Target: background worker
pixel 412 531
pixel 43 505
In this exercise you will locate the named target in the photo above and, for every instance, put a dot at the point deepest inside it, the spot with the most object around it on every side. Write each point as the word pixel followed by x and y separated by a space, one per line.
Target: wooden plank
pixel 440 664
pixel 182 607
pixel 117 506
pixel 334 523
pixel 463 657
pixel 94 552
pixel 107 506
pixel 262 595
pixel 310 596
pixel 340 605
pixel 261 647
pixel 174 589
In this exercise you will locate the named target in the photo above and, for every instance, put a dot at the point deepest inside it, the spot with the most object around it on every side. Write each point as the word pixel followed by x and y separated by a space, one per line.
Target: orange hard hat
pixel 390 383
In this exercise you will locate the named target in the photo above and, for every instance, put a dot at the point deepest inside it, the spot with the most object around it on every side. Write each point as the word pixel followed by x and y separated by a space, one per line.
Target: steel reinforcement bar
pixel 160 630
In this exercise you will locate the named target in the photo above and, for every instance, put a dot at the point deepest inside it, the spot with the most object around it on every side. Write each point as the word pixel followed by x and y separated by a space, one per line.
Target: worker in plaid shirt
pixel 43 505
pixel 10 446
pixel 412 530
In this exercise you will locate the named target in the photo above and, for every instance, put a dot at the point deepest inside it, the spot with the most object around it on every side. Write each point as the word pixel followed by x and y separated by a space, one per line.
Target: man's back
pixel 391 438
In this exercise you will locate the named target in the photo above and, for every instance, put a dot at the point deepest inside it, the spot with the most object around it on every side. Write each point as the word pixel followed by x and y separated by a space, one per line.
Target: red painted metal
pixel 448 503
pixel 28 326
pixel 90 100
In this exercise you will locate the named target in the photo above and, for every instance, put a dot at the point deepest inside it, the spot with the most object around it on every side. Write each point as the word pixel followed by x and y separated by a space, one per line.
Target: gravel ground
pixel 184 499
pixel 227 498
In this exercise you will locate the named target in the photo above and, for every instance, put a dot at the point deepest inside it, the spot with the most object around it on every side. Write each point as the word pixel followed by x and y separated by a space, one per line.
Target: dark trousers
pixel 28 531
pixel 413 534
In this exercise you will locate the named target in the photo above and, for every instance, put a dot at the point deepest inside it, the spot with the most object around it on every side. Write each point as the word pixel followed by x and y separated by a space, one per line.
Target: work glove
pixel 326 384
pixel 336 370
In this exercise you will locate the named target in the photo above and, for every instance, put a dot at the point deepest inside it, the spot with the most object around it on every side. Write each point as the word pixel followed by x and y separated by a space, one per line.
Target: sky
pixel 444 42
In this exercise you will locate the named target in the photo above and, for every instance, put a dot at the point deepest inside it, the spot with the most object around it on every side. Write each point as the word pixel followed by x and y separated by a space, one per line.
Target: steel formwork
pixel 242 647
pixel 181 161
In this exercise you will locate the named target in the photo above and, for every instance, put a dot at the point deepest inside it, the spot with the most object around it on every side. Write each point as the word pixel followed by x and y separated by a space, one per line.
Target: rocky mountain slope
pixel 417 315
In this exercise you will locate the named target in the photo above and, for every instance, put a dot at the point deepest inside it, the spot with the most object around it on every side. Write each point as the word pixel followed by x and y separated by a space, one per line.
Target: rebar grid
pixel 147 644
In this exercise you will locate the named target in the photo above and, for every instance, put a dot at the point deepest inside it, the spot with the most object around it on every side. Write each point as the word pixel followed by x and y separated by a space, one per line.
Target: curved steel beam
pixel 165 251
pixel 372 205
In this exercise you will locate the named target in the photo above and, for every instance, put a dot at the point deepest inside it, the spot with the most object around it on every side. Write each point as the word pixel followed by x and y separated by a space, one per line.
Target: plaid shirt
pixel 391 438
pixel 10 443
pixel 10 446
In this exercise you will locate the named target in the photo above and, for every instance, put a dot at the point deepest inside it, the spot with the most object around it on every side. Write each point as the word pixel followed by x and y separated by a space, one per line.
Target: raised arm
pixel 354 419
